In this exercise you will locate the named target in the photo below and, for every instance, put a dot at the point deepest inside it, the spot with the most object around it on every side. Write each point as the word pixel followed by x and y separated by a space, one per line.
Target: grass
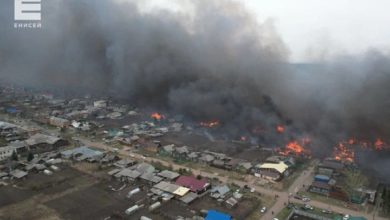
pixel 266 201
pixel 286 211
pixel 322 198
pixel 3 142
pixel 282 215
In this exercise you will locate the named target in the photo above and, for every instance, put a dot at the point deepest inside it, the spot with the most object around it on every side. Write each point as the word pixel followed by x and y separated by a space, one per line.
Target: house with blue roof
pixel 215 215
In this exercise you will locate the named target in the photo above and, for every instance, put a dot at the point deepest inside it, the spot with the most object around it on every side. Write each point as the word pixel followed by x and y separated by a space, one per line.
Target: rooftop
pixel 128 173
pixel 215 215
pixel 42 139
pixel 85 152
pixel 192 182
pixel 169 174
pixel 171 188
pixel 280 167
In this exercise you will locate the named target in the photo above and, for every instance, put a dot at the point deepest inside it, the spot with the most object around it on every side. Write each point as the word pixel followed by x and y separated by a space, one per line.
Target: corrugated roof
pixel 181 191
pixel 42 139
pixel 192 182
pixel 85 151
pixel 128 173
pixel 280 167
pixel 168 174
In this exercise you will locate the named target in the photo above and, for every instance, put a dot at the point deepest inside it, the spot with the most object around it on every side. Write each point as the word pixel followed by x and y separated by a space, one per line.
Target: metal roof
pixel 280 167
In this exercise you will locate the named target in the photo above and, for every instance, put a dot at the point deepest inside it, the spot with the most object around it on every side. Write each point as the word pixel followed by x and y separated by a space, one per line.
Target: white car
pixel 275 219
pixel 346 217
pixel 263 210
pixel 308 207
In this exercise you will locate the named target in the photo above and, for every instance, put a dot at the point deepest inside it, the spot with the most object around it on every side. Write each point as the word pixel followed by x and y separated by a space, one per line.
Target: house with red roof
pixel 194 184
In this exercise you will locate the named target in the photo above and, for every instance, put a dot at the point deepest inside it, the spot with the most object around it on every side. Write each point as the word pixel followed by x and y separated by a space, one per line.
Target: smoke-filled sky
pixel 214 59
pixel 317 29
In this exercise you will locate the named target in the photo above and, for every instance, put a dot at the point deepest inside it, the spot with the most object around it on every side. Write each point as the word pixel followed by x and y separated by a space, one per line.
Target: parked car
pixel 346 217
pixel 263 210
pixel 306 199
pixel 308 207
pixel 326 211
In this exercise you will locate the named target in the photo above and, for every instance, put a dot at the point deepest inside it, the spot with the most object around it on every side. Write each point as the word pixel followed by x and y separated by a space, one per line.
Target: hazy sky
pixel 310 27
pixel 316 29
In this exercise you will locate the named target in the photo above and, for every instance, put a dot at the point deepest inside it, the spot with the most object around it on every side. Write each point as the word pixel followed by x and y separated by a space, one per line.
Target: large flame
pixel 342 153
pixel 345 150
pixel 295 147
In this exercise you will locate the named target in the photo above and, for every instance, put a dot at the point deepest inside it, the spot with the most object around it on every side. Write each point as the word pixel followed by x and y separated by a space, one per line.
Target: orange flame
pixel 345 150
pixel 343 153
pixel 294 147
pixel 379 144
pixel 209 124
pixel 157 116
pixel 279 129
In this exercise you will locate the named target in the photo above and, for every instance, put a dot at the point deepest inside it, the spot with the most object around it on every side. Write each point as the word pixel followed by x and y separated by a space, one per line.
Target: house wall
pixel 5 153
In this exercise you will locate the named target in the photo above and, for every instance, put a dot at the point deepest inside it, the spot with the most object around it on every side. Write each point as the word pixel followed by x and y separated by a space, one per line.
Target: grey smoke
pixel 218 63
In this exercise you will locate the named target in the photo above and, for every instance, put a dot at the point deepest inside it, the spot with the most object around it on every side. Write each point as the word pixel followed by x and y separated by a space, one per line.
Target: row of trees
pixel 386 200
pixel 15 157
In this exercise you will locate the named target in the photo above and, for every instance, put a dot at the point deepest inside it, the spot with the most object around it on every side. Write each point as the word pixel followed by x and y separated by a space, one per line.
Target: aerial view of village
pixel 194 110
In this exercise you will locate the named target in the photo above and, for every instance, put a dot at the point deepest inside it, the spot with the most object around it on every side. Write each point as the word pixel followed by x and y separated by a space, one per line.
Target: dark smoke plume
pixel 217 62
